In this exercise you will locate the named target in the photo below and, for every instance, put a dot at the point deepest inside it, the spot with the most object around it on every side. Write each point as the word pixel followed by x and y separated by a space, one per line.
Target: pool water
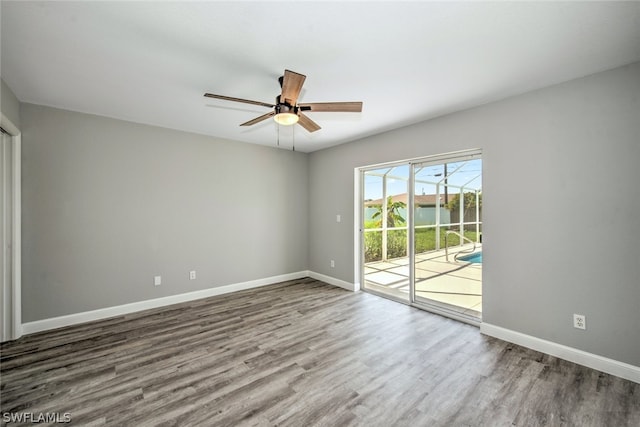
pixel 475 258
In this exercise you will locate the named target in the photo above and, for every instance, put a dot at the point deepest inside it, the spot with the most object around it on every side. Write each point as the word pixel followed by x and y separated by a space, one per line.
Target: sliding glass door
pixel 421 233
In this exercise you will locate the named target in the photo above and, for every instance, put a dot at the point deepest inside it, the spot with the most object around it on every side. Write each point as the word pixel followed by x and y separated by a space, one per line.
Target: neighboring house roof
pixel 420 200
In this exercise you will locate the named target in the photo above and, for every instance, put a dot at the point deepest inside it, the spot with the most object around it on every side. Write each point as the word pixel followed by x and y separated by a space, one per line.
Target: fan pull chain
pixel 278 142
pixel 293 138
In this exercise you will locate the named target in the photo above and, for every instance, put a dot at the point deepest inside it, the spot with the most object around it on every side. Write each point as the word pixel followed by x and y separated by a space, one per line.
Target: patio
pixel 452 285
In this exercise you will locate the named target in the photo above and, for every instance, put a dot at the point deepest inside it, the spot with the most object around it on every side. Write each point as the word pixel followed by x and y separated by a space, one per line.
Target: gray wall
pixel 108 204
pixel 9 104
pixel 575 148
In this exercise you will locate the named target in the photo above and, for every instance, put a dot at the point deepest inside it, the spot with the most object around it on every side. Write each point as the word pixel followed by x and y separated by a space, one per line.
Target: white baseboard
pixel 333 281
pixel 103 313
pixel 590 360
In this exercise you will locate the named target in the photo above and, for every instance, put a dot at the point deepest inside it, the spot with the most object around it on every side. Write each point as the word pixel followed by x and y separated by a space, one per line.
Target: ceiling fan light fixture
pixel 286 119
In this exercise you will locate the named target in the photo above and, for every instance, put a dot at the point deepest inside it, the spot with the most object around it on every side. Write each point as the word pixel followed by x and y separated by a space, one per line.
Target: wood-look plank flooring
pixel 301 353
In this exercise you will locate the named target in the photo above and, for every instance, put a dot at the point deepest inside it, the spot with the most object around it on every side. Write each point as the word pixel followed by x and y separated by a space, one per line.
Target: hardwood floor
pixel 300 353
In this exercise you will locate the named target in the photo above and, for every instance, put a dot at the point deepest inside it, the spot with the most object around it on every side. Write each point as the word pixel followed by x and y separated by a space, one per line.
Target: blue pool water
pixel 474 258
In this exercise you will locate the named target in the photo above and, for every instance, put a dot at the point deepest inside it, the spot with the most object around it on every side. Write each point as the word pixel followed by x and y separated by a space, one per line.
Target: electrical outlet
pixel 157 280
pixel 192 275
pixel 333 263
pixel 579 321
pixel 338 218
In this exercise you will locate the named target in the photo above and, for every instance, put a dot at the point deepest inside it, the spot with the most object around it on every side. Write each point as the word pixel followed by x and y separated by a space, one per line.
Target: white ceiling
pixel 151 62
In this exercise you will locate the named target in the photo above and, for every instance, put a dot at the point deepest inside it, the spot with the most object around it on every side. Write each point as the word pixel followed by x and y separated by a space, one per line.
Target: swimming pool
pixel 475 258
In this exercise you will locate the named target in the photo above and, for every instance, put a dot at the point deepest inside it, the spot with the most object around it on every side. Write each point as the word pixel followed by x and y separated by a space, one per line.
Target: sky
pixel 468 173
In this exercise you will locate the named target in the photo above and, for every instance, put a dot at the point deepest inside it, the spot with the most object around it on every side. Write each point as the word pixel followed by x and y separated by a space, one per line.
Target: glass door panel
pixel 447 266
pixel 384 231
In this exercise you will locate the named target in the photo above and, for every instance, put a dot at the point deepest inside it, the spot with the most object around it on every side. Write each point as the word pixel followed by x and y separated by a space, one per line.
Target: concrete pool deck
pixel 454 285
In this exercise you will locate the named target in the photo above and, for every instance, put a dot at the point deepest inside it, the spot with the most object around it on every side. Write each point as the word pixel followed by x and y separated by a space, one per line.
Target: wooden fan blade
pixel 347 107
pixel 291 87
pixel 258 119
pixel 246 101
pixel 307 123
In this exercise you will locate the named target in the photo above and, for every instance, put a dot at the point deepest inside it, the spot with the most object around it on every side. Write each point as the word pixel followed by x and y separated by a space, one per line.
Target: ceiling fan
pixel 286 110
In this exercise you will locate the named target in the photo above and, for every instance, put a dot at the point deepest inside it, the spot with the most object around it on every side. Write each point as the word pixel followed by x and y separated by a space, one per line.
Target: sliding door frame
pixel 359 259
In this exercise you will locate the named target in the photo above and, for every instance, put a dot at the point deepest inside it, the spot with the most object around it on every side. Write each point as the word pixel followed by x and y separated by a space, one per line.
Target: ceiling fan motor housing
pixel 284 108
